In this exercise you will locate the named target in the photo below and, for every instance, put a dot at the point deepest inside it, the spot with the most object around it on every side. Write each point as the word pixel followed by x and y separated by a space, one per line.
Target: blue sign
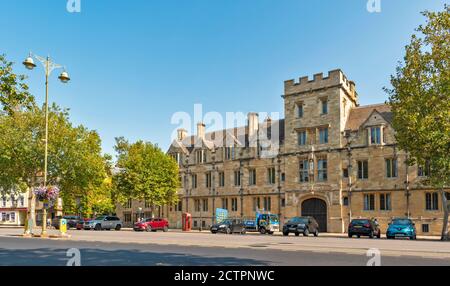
pixel 221 215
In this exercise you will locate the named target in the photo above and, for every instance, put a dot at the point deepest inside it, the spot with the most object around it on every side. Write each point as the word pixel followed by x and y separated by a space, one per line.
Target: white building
pixel 13 209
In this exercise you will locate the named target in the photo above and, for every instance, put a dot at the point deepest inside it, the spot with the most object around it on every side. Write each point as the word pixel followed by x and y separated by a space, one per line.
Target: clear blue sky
pixel 136 62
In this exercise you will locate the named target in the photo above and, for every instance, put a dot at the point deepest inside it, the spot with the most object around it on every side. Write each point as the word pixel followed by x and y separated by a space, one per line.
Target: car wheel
pixel 118 227
pixel 262 230
pixel 358 236
pixel 148 228
pixel 213 232
pixel 165 229
pixel 379 235
pixel 413 237
pixel 306 232
pixel 285 233
pixel 98 227
pixel 316 233
pixel 297 234
pixel 350 235
pixel 228 230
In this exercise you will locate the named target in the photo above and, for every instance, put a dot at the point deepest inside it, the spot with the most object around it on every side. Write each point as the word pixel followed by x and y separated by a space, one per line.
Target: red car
pixel 81 222
pixel 151 224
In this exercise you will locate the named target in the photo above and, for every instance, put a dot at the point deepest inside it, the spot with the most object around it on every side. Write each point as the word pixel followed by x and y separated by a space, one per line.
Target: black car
pixel 304 225
pixel 364 227
pixel 229 226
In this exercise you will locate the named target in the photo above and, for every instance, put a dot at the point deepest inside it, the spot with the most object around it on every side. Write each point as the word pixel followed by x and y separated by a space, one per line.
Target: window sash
pixel 369 202
pixel 323 136
pixel 324 106
pixel 391 168
pixel 300 110
pixel 221 179
pixel 237 178
pixel 304 167
pixel 363 170
pixel 252 177
pixel 385 202
pixel 271 176
pixel 302 138
pixel 375 135
pixel 322 170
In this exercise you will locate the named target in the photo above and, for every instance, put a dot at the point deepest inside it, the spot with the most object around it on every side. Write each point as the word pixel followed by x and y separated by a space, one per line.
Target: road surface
pixel 127 248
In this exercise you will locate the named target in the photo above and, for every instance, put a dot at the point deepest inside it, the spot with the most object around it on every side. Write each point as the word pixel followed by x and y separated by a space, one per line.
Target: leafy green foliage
pixel 75 162
pixel 420 101
pixel 420 97
pixel 14 93
pixel 146 173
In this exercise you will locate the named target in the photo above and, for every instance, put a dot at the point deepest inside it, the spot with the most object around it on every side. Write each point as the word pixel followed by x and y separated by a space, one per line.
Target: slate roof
pixel 238 135
pixel 360 114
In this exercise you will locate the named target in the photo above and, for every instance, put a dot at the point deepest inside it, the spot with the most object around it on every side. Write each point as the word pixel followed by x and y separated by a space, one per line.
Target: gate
pixel 316 208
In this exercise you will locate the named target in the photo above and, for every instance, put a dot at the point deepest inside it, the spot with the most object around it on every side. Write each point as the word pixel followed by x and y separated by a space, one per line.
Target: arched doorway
pixel 316 208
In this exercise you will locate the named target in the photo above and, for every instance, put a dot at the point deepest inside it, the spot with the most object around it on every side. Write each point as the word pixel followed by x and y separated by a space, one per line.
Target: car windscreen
pixel 401 221
pixel 298 220
pixel 100 218
pixel 273 218
pixel 360 221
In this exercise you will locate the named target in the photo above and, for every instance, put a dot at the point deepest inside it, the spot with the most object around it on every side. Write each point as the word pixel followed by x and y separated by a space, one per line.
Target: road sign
pixel 221 215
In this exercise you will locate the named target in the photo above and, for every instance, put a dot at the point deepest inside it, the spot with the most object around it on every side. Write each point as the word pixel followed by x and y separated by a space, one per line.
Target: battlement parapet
pixel 333 79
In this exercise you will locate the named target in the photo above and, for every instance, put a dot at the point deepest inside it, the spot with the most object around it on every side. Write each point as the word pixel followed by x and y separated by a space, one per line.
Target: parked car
pixel 229 226
pixel 364 227
pixel 401 227
pixel 304 225
pixel 104 222
pixel 70 219
pixel 151 224
pixel 81 222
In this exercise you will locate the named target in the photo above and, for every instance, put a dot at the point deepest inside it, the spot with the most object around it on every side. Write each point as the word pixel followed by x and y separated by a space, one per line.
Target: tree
pixel 420 101
pixel 146 173
pixel 76 164
pixel 13 91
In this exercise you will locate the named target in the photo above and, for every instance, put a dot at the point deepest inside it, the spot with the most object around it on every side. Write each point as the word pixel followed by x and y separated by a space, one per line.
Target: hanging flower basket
pixel 50 193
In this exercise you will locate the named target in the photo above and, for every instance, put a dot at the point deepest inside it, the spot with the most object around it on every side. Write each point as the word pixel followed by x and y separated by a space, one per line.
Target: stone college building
pixel 329 158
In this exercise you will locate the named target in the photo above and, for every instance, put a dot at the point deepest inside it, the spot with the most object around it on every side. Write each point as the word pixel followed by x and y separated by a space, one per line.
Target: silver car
pixel 104 222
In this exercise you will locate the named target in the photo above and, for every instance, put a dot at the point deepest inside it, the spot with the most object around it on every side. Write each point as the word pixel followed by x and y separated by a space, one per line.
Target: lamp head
pixel 29 63
pixel 64 77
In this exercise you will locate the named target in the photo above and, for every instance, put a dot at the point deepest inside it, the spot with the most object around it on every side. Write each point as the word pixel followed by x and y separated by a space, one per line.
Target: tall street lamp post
pixel 49 66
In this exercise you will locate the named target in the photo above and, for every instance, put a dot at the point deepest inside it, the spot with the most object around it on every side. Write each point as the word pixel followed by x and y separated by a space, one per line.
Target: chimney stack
pixel 181 134
pixel 253 124
pixel 201 130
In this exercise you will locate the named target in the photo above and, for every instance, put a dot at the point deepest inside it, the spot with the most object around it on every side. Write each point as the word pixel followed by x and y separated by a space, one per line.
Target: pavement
pixel 203 248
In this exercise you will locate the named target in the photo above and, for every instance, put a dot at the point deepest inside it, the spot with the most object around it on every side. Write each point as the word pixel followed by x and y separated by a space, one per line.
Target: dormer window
pixel 230 153
pixel 375 135
pixel 200 156
pixel 177 157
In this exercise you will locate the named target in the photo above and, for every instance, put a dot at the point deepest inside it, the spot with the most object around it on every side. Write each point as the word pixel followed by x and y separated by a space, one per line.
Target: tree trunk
pixel 444 235
pixel 31 210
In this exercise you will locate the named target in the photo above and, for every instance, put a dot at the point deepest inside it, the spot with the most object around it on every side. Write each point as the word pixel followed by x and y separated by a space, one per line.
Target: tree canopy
pixel 13 90
pixel 145 173
pixel 420 98
pixel 75 160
